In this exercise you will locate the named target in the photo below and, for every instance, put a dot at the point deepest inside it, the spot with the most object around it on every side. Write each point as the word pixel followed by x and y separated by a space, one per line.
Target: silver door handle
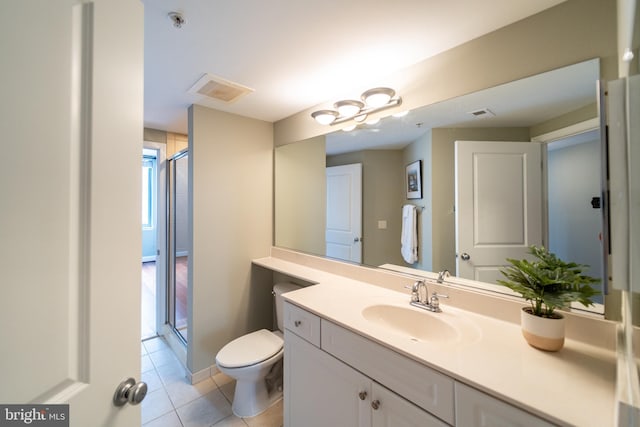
pixel 128 391
pixel 465 256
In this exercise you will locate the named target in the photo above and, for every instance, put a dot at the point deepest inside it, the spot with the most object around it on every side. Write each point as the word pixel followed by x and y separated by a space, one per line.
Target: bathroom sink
pixel 413 323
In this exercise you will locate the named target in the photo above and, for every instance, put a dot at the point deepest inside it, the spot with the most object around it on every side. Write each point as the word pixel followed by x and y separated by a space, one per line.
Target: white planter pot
pixel 542 332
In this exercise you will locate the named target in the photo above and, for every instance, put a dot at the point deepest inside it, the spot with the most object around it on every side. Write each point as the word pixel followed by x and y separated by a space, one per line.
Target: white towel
pixel 409 238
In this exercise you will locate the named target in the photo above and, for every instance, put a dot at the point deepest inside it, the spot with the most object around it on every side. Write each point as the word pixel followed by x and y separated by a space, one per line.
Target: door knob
pixel 362 395
pixel 465 256
pixel 375 404
pixel 357 239
pixel 129 392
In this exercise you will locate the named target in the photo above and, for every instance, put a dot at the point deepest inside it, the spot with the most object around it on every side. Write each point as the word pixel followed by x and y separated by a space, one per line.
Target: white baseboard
pixel 203 374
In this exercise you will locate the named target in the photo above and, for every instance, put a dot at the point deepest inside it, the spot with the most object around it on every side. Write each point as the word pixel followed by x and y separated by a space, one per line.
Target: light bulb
pixel 325 117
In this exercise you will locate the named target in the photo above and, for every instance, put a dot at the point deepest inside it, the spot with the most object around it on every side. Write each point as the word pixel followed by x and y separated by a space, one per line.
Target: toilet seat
pixel 249 349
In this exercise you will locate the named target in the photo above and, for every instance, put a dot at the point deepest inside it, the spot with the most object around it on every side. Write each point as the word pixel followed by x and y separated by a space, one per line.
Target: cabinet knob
pixel 297 323
pixel 375 404
pixel 362 395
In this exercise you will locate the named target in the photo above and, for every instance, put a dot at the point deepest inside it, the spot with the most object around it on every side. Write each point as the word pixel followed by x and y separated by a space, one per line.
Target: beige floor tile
pixel 182 393
pixel 222 379
pixel 231 421
pixel 229 390
pixel 205 411
pixel 155 404
pixel 168 420
pixel 272 417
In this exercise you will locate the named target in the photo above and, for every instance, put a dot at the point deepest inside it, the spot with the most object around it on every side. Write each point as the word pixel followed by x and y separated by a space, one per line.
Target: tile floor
pixel 172 402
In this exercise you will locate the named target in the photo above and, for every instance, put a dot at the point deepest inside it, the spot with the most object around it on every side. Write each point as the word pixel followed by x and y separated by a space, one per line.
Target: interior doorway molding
pixel 161 234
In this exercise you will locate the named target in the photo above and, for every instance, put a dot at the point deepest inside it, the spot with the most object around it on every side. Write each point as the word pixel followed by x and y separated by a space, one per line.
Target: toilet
pixel 249 359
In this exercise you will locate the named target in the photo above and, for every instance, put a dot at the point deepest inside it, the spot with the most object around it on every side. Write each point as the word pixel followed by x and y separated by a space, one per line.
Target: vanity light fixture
pixel 373 100
pixel 348 108
pixel 325 117
pixel 378 97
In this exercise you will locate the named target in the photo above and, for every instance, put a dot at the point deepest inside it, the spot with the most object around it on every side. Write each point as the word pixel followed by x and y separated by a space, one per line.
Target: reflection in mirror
pixel 548 109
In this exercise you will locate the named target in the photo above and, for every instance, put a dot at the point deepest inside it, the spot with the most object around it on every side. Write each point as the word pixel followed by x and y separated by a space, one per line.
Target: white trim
pixel 161 236
pixel 568 131
pixel 202 375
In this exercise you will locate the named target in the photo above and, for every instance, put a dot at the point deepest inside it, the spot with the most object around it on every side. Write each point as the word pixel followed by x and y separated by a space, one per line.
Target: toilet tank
pixel 278 290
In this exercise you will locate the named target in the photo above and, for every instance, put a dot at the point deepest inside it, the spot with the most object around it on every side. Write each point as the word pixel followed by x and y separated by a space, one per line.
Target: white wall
pixel 231 183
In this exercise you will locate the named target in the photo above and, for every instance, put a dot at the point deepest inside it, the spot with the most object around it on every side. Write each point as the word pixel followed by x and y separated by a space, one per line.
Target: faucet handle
pixel 434 301
pixel 414 292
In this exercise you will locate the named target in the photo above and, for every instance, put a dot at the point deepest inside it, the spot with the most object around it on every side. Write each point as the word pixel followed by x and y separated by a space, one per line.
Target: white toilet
pixel 250 358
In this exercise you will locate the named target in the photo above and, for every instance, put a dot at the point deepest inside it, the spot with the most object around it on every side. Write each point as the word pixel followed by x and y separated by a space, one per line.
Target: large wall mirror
pixel 556 110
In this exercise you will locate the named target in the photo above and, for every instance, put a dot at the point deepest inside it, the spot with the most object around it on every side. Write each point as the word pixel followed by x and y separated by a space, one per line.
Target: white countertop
pixel 575 386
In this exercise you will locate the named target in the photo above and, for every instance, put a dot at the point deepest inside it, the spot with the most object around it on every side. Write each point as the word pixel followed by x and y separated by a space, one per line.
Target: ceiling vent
pixel 218 88
pixel 483 112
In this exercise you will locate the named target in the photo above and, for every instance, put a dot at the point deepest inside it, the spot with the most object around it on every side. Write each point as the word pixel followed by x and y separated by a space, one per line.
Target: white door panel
pixel 498 205
pixel 344 212
pixel 72 104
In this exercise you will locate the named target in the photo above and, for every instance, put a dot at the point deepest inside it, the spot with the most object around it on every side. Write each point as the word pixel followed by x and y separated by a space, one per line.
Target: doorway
pixel 153 279
pixel 574 189
pixel 178 243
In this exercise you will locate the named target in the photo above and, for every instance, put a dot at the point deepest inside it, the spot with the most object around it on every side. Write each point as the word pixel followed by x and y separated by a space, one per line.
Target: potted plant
pixel 548 283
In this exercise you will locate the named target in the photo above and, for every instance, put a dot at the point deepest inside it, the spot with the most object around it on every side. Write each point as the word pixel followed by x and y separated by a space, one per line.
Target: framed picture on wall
pixel 414 180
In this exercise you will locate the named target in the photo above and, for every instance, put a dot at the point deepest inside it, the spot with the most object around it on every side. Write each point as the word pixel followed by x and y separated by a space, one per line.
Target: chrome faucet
pixel 415 292
pixel 425 303
pixel 443 275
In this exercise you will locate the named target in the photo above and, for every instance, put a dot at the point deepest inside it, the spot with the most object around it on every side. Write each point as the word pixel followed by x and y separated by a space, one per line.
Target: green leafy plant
pixel 548 282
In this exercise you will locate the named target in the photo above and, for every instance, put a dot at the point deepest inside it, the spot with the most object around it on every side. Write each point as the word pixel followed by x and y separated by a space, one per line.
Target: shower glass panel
pixel 179 244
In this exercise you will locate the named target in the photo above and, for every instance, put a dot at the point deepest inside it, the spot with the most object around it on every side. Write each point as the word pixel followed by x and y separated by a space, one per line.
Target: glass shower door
pixel 179 243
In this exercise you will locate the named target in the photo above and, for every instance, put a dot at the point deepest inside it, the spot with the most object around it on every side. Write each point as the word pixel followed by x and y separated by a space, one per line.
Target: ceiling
pixel 295 54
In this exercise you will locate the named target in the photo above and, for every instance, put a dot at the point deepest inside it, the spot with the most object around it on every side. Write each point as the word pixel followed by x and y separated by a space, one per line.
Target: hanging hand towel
pixel 409 238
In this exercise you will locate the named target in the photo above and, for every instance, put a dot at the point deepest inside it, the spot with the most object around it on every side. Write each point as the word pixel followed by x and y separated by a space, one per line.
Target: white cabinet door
pixel 477 409
pixel 71 120
pixel 320 390
pixel 391 410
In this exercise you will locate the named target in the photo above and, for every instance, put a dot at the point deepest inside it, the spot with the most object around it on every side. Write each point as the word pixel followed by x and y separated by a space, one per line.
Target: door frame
pixel 547 138
pixel 161 233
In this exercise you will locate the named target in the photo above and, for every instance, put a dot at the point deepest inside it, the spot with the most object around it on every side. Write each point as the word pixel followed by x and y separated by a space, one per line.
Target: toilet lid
pixel 249 349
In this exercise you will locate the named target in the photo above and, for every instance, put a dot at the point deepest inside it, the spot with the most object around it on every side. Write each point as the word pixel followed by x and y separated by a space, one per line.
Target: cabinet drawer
pixel 477 409
pixel 302 323
pixel 417 383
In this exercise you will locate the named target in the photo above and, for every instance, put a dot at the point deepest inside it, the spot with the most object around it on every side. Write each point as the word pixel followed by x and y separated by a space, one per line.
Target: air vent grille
pixel 218 88
pixel 483 112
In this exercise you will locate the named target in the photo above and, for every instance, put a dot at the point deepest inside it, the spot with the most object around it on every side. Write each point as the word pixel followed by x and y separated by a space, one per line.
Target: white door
pixel 344 212
pixel 71 114
pixel 498 205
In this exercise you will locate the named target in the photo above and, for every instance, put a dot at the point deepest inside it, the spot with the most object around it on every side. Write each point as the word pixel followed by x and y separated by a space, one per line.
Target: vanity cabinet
pixel 335 377
pixel 477 409
pixel 322 391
